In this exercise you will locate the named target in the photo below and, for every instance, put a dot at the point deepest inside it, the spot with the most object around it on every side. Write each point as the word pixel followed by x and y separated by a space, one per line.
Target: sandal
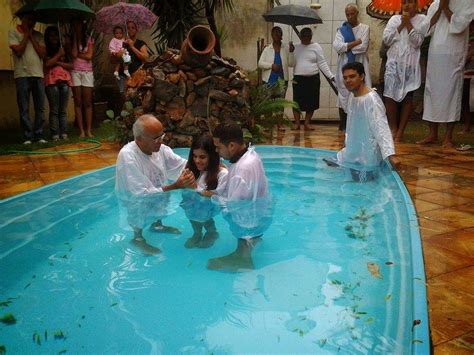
pixel 464 147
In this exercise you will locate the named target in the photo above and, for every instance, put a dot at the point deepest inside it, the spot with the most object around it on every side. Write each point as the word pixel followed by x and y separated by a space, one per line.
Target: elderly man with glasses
pixel 143 169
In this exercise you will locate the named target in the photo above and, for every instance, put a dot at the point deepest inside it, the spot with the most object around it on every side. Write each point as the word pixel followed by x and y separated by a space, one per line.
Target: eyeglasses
pixel 159 138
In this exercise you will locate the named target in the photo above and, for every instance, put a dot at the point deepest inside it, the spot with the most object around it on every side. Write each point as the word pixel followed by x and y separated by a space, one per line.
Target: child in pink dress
pixel 115 48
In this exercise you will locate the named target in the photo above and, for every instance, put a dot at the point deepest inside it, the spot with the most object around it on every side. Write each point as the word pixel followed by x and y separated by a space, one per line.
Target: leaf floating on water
pixel 46 335
pixel 28 285
pixel 3 350
pixel 5 303
pixel 322 342
pixel 114 304
pixel 417 341
pixel 58 335
pixel 369 320
pixel 36 338
pixel 62 352
pixel 415 323
pixel 388 263
pixel 374 269
pixel 388 297
pixel 8 319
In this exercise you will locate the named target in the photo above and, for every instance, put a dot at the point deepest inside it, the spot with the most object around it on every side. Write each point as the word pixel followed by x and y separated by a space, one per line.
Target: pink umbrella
pixel 121 12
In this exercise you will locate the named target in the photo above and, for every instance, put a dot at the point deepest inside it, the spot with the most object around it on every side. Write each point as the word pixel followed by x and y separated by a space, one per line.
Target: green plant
pixel 266 108
pixel 177 17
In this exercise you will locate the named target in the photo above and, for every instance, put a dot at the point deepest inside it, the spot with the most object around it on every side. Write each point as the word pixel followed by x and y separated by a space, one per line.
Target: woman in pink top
pixel 82 76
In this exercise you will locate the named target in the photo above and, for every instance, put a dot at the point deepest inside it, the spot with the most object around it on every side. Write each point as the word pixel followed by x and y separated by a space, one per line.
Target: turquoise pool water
pixel 339 270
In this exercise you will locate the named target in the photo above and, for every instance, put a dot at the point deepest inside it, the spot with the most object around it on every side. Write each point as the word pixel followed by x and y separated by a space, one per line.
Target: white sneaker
pixel 27 142
pixel 42 141
pixel 55 137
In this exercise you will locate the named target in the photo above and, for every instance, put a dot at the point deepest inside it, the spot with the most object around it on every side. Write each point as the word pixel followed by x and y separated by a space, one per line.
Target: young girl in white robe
pixel 204 163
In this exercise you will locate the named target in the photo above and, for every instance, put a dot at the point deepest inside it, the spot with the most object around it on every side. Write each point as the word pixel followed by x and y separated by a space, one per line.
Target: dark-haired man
pixel 29 50
pixel 368 137
pixel 244 193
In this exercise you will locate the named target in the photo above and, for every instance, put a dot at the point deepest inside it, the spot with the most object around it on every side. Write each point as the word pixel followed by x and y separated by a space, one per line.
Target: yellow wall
pixel 9 118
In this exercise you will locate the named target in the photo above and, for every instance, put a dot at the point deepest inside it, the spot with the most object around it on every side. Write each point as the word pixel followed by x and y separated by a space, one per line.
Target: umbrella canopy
pixel 121 12
pixel 53 11
pixel 294 15
pixel 384 9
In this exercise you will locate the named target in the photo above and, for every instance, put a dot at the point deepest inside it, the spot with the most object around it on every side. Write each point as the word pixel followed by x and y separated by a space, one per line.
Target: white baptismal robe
pixel 246 204
pixel 139 174
pixel 138 184
pixel 201 181
pixel 368 136
pixel 245 180
pixel 446 59
pixel 403 71
pixel 361 31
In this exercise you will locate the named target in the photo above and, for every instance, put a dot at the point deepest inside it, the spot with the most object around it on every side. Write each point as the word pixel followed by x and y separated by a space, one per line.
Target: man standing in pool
pixel 143 167
pixel 243 198
pixel 368 138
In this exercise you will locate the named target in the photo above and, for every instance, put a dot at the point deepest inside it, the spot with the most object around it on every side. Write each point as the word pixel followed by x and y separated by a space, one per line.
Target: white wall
pixel 246 25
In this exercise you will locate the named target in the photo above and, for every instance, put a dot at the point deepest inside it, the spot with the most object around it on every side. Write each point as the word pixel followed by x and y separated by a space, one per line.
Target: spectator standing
pixel 309 60
pixel 351 44
pixel 57 79
pixel 28 50
pixel 468 75
pixel 404 36
pixel 274 61
pixel 82 76
pixel 137 49
pixel 449 21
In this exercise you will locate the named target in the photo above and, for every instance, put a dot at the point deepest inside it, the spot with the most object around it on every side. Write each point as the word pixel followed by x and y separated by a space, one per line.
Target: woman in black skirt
pixel 309 60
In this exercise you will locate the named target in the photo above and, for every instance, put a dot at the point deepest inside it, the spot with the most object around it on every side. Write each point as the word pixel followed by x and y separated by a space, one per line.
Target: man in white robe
pixel 143 168
pixel 243 198
pixel 350 50
pixel 449 21
pixel 404 35
pixel 368 137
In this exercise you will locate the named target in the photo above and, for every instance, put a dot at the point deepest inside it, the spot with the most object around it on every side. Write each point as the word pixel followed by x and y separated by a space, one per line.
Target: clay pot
pixel 198 47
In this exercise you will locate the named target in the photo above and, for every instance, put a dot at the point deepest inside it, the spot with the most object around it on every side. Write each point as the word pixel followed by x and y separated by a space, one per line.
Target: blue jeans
pixel 58 96
pixel 35 86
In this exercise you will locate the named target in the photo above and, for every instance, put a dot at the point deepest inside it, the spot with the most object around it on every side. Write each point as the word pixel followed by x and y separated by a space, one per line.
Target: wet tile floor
pixel 440 182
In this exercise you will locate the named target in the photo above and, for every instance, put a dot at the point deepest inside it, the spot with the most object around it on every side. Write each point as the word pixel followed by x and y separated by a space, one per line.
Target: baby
pixel 116 46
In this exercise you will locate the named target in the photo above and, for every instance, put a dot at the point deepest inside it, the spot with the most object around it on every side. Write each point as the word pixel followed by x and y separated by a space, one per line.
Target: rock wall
pixel 190 100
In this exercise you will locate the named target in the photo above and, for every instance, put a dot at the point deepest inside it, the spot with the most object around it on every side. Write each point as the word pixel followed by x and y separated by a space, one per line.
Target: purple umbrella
pixel 120 13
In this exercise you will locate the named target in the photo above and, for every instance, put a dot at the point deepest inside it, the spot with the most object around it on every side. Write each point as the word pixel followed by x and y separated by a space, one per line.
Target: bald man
pixel 143 169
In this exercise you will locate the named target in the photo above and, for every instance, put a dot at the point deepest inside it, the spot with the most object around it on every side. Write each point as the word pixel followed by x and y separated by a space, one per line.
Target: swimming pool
pixel 339 270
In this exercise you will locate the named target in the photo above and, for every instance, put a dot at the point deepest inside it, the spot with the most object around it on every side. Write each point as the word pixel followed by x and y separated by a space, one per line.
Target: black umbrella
pixel 295 15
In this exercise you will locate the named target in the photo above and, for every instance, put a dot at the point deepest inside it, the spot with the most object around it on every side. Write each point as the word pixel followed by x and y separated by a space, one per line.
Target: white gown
pixel 246 204
pixel 446 59
pixel 361 31
pixel 246 179
pixel 368 137
pixel 138 184
pixel 402 71
pixel 197 207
